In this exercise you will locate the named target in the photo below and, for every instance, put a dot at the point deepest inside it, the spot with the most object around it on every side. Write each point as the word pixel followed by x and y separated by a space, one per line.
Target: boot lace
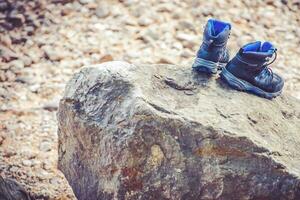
pixel 268 69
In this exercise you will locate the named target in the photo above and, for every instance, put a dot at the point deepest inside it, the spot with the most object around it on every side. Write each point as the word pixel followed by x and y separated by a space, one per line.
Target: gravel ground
pixel 42 43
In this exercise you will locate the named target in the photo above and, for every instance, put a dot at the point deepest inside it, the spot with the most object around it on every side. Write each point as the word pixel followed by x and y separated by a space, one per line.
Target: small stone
pixel 9 153
pixel 42 174
pixel 34 57
pixel 54 54
pixel 14 169
pixel 27 61
pixel 189 41
pixel 207 12
pixel 51 105
pixel 34 88
pixel 6 40
pixel 144 21
pixel 2 76
pixel 86 1
pixel 152 34
pixel 7 54
pixel 165 60
pixel 132 55
pixel 16 65
pixel 45 146
pixel 129 2
pixel 27 163
pixel 3 94
pixel 10 76
pixel 186 25
pixel 66 11
pixel 29 30
pixel 46 165
pixel 55 181
pixel 186 54
pixel 176 15
pixel 106 58
pixel 177 45
pixel 139 11
pixel 185 37
pixel 102 11
pixel 166 7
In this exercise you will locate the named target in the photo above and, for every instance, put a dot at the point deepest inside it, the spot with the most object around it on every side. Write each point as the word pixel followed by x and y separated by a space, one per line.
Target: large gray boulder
pixel 166 132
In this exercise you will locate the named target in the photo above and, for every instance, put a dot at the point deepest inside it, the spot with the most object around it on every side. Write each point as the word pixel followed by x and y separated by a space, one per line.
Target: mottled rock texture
pixel 11 190
pixel 166 132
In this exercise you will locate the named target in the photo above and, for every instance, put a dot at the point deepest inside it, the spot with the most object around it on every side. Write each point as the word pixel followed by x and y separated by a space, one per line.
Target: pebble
pixel 102 11
pixel 86 1
pixel 166 60
pixel 45 146
pixel 51 105
pixel 129 2
pixel 10 76
pixel 34 88
pixel 27 163
pixel 186 25
pixel 106 58
pixel 14 169
pixel 144 21
pixel 42 174
pixel 52 54
pixel 46 165
pixel 26 60
pixel 185 37
pixel 186 54
pixel 16 65
pixel 55 181
pixel 152 34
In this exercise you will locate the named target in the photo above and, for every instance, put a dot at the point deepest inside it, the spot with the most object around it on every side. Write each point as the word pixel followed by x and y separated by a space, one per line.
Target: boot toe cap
pixel 278 83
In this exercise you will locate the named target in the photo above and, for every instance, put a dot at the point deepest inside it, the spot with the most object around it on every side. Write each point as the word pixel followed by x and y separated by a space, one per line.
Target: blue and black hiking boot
pixel 248 70
pixel 213 54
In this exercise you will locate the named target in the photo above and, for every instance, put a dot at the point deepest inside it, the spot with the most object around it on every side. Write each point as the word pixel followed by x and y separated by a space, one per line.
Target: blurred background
pixel 43 42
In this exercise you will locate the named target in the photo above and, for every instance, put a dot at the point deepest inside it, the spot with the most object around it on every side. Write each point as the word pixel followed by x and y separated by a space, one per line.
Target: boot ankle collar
pixel 213 43
pixel 259 63
pixel 240 59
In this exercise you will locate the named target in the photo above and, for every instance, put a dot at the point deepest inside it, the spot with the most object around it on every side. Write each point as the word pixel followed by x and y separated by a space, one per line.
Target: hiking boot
pixel 248 70
pixel 213 54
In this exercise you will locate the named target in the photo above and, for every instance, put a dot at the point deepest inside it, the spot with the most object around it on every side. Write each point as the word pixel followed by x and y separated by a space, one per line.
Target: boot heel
pixel 233 81
pixel 207 66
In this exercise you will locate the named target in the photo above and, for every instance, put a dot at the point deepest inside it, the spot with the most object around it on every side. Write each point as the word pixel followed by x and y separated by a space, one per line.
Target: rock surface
pixel 166 132
pixel 11 190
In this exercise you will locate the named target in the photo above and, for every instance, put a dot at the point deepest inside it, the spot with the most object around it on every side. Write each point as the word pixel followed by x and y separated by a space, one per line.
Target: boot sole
pixel 202 65
pixel 245 86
